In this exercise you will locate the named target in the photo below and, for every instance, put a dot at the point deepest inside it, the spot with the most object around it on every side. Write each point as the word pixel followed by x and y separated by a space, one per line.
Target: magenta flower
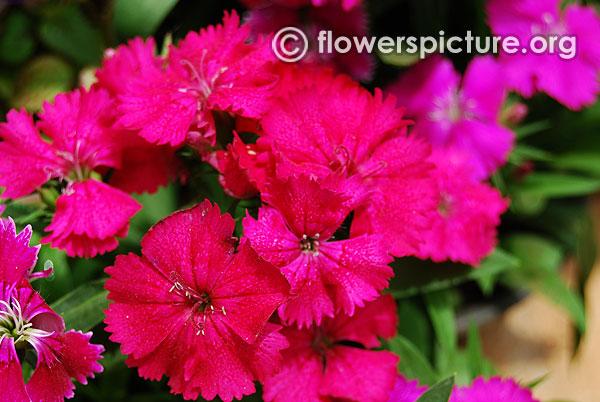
pixel 468 212
pixel 405 390
pixel 192 310
pixel 311 131
pixel 214 70
pixel 572 81
pixel 494 389
pixel 320 366
pixel 295 233
pixel 25 319
pixel 89 214
pixel 462 115
pixel 342 18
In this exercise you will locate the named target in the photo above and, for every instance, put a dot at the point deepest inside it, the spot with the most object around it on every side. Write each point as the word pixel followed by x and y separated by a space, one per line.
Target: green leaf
pixel 83 308
pixel 541 259
pixel 140 17
pixel 412 362
pixel 555 185
pixel 414 325
pixel 441 312
pixel 523 152
pixel 440 392
pixel 413 276
pixel 532 128
pixel 399 59
pixel 537 381
pixel 476 361
pixel 68 31
pixel 582 161
pixel 17 43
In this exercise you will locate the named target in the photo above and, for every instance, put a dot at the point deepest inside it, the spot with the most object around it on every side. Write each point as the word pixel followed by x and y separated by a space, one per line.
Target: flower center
pixel 310 244
pixel 445 204
pixel 201 305
pixel 13 325
pixel 549 26
pixel 204 78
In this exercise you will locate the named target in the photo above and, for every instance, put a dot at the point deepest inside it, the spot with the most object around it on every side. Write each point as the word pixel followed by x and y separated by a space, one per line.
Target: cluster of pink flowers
pixel 348 180
pixel 27 321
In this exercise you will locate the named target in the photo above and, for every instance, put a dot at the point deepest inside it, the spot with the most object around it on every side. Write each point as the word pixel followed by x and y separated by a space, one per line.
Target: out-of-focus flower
pixel 295 233
pixel 319 364
pixel 572 81
pixel 494 389
pixel 468 212
pixel 341 17
pixel 340 126
pixel 461 114
pixel 25 319
pixel 192 310
pixel 214 70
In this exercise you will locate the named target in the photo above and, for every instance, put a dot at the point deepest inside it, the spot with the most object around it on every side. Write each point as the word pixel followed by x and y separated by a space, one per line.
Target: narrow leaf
pixel 412 362
pixel 83 308
pixel 440 392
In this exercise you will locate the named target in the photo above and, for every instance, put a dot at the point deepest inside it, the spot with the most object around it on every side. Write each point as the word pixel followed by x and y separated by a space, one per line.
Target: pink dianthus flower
pixel 468 212
pixel 89 214
pixel 192 310
pixel 335 125
pixel 295 232
pixel 572 81
pixel 213 70
pixel 462 114
pixel 321 366
pixel 26 320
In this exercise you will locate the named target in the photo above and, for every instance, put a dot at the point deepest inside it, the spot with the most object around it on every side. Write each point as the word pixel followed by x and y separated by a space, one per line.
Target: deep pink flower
pixel 318 365
pixel 340 125
pixel 406 391
pixel 89 216
pixel 494 389
pixel 295 233
pixel 342 18
pixel 192 310
pixel 121 65
pixel 459 114
pixel 81 142
pixel 573 82
pixel 214 70
pixel 468 212
pixel 26 319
